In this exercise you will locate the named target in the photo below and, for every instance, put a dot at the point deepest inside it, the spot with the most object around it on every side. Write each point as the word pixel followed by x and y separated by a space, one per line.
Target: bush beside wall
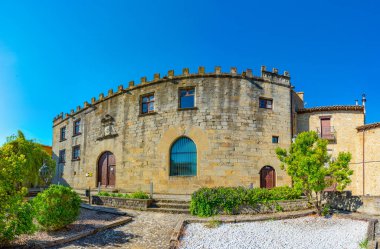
pixel 212 201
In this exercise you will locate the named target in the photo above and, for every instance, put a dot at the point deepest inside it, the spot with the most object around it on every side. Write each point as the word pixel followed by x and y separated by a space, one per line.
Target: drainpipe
pixel 363 162
pixel 364 100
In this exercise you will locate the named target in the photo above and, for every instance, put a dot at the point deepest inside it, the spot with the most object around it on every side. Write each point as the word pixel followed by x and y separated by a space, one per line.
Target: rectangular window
pixel 275 139
pixel 76 153
pixel 266 103
pixel 62 156
pixel 187 98
pixel 76 127
pixel 147 103
pixel 327 131
pixel 63 134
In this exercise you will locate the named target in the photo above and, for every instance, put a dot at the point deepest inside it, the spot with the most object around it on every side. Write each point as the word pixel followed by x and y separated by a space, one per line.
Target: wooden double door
pixel 107 169
pixel 267 177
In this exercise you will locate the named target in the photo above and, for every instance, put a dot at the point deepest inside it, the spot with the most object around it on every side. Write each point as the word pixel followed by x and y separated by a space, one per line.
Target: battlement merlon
pixel 273 76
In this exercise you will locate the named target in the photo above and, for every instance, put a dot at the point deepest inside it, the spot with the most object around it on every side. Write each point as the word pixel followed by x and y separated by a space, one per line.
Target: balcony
pixel 327 132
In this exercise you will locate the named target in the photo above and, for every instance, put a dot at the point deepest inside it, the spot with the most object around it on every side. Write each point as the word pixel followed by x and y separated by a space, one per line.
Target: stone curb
pixel 81 235
pixel 176 235
pixel 103 209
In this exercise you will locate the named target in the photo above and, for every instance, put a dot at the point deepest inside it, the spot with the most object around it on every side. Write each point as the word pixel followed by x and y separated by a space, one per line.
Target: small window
pixel 147 104
pixel 76 127
pixel 62 156
pixel 275 139
pixel 76 152
pixel 266 103
pixel 62 135
pixel 186 98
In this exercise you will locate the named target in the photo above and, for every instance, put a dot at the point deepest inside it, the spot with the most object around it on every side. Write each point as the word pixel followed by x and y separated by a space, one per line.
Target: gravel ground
pixel 87 220
pixel 148 230
pixel 307 232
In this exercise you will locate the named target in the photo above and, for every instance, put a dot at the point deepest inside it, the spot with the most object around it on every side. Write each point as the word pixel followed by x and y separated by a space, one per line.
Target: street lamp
pixel 44 173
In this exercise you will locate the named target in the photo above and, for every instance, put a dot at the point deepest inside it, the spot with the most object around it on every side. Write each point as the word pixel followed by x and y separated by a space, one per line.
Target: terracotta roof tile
pixel 332 108
pixel 368 126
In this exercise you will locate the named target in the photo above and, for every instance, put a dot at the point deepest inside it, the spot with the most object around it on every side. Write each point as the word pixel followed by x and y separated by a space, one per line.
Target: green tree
pixel 35 156
pixel 311 168
pixel 16 214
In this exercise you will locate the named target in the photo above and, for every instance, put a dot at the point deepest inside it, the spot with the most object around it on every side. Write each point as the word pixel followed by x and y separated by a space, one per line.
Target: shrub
pixel 103 193
pixel 56 207
pixel 285 193
pixel 138 195
pixel 211 201
pixel 16 216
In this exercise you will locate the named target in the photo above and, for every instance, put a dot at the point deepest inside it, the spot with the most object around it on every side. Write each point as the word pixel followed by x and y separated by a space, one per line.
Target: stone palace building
pixel 183 132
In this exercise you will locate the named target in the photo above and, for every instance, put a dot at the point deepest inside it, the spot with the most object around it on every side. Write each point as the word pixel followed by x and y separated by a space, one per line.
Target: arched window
pixel 267 177
pixel 183 158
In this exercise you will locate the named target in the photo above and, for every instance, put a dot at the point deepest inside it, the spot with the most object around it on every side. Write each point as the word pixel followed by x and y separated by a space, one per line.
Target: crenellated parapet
pixel 274 76
pixel 266 76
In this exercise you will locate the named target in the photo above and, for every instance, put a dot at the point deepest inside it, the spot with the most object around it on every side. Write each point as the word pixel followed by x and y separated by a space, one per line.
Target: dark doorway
pixel 267 177
pixel 107 169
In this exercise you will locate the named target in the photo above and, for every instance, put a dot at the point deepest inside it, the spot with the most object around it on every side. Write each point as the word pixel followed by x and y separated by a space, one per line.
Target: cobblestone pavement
pixel 148 230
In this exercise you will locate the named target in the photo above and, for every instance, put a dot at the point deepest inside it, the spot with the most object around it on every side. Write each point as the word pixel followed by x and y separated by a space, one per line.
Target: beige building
pixel 183 132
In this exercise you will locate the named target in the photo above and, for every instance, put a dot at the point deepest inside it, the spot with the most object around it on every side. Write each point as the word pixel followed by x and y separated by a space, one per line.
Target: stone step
pixel 172 201
pixel 170 205
pixel 169 210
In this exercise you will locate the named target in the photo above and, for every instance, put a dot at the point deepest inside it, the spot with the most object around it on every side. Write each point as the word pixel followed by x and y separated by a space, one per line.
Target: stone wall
pixel 353 203
pixel 371 162
pixel 345 123
pixel 232 134
pixel 139 204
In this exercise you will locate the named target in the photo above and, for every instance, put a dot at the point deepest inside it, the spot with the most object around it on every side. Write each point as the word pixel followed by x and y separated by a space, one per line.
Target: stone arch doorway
pixel 267 177
pixel 107 170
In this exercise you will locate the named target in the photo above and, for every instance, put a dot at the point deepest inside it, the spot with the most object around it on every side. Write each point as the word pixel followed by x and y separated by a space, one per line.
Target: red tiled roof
pixel 332 108
pixel 368 126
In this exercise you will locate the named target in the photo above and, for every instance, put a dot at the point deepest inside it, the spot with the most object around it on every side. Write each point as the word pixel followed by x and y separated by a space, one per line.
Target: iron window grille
pixel 183 158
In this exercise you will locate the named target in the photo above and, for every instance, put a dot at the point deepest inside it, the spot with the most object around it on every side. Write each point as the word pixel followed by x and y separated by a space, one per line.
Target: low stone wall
pixel 139 204
pixel 348 202
pixel 276 206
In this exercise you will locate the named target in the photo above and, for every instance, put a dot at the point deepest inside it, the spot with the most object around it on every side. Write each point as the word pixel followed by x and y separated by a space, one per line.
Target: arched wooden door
pixel 267 177
pixel 107 169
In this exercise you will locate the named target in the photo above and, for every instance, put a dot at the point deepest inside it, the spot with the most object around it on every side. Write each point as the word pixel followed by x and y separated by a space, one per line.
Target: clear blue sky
pixel 54 55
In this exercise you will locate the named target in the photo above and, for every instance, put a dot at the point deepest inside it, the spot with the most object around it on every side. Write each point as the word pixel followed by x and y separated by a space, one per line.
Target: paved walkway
pixel 148 230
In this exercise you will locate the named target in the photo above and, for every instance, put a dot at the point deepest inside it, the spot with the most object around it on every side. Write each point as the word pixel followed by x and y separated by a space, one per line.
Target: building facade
pixel 183 132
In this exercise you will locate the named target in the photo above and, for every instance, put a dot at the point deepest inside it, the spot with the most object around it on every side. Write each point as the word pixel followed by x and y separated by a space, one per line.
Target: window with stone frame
pixel 76 153
pixel 275 139
pixel 147 103
pixel 62 156
pixel 62 135
pixel 266 103
pixel 76 128
pixel 186 98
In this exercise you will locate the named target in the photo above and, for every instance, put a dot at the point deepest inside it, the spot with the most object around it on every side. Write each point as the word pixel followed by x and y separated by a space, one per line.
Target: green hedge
pixel 135 195
pixel 56 207
pixel 210 201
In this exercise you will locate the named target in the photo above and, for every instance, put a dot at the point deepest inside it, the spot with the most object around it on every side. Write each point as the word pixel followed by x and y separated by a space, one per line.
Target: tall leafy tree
pixel 311 167
pixel 15 213
pixel 35 156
